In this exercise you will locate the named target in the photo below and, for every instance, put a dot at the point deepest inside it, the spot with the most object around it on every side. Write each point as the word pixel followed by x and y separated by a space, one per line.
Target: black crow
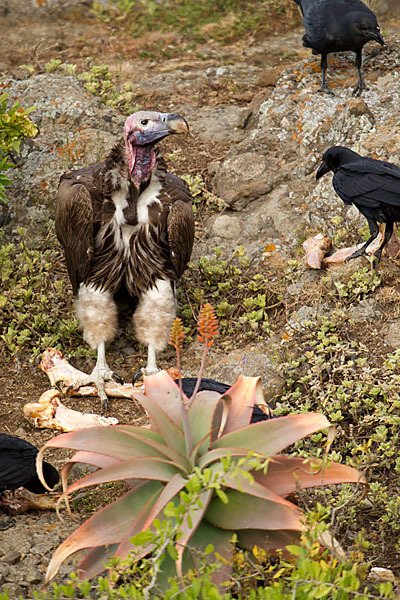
pixel 373 186
pixel 18 467
pixel 338 25
pixel 189 383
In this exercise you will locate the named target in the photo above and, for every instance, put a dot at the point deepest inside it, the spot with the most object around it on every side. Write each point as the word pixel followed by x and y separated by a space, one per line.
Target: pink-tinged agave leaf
pixel 189 526
pixel 204 417
pixel 215 455
pixel 286 474
pixel 161 449
pixel 244 512
pixel 270 437
pixel 245 392
pixel 268 540
pixel 107 525
pixel 89 458
pixel 93 458
pixel 109 441
pixel 166 394
pixel 138 468
pixel 163 424
pixel 94 561
pixel 173 487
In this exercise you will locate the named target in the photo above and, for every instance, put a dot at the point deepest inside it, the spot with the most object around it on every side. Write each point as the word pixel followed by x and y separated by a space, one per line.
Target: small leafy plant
pixel 244 300
pixel 202 465
pixel 29 277
pixel 14 125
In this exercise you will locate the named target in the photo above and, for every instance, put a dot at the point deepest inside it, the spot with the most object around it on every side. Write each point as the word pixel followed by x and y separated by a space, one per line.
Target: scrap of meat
pixel 316 248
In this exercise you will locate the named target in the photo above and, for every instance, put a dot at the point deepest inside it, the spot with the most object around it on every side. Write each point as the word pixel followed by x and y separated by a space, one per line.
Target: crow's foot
pixel 324 89
pixel 358 90
pixel 7 524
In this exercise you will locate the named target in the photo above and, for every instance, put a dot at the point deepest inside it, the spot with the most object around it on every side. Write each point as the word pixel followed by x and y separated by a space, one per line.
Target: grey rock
pixel 392 334
pixel 11 557
pixel 253 363
pixel 306 313
pixel 13 590
pixel 366 310
pixel 4 571
pixel 227 226
pixel 241 179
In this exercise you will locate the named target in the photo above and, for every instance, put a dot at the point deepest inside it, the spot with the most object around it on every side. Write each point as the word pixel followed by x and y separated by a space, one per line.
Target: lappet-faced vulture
pixel 127 227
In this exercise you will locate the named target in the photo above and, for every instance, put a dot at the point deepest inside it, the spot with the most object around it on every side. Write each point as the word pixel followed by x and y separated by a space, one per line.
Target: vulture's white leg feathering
pixel 97 316
pixel 153 320
pixel 127 229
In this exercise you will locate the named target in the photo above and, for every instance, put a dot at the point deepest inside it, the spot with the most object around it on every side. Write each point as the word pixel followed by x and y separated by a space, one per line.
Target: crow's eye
pixel 144 122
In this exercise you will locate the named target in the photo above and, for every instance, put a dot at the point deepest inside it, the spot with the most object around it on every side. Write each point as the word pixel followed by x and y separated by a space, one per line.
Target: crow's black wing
pixel 368 182
pixel 17 462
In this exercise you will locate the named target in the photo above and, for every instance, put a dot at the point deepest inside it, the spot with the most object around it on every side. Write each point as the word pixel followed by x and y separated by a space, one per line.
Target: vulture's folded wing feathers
pixel 180 234
pixel 180 221
pixel 74 227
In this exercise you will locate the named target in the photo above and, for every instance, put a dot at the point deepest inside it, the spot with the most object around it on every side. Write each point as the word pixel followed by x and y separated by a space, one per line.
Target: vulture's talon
pixel 137 376
pixel 118 378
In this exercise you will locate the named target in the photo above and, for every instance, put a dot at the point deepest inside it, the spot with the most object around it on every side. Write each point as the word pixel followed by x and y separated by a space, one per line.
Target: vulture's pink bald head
pixel 142 130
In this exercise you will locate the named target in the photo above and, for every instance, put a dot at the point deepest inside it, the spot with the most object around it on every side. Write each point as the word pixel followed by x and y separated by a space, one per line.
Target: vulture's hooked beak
pixel 322 170
pixel 167 124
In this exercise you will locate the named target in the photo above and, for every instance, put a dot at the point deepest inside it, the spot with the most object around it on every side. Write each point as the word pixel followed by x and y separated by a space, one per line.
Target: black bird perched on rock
pixel 338 25
pixel 18 467
pixel 189 383
pixel 127 228
pixel 373 186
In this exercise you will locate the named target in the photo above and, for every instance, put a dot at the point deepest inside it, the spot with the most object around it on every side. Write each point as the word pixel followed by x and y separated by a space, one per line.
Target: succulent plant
pixel 202 448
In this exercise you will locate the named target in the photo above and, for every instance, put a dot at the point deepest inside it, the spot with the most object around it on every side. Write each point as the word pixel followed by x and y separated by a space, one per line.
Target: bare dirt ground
pixel 74 38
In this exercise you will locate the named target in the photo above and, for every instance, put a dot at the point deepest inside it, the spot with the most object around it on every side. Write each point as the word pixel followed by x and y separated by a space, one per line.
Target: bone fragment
pixel 49 412
pixel 20 500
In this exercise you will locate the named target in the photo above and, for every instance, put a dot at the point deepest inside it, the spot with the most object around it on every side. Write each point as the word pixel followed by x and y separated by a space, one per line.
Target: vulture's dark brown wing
pixel 180 222
pixel 74 227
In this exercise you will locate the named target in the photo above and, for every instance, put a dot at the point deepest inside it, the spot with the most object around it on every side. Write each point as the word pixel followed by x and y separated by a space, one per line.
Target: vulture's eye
pixel 144 122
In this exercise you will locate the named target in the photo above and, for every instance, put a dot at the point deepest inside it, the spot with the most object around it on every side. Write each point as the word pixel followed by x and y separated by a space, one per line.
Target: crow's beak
pixel 378 38
pixel 322 170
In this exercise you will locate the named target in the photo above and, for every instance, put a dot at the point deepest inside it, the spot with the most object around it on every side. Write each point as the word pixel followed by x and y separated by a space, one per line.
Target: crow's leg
pixel 374 231
pixel 153 320
pixel 97 315
pixel 386 238
pixel 361 83
pixel 324 66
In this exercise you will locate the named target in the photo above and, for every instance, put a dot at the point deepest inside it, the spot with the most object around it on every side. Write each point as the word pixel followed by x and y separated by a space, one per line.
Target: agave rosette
pixel 157 462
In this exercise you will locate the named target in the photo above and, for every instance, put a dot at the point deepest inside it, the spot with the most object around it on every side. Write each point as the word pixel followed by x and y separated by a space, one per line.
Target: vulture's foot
pixel 99 377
